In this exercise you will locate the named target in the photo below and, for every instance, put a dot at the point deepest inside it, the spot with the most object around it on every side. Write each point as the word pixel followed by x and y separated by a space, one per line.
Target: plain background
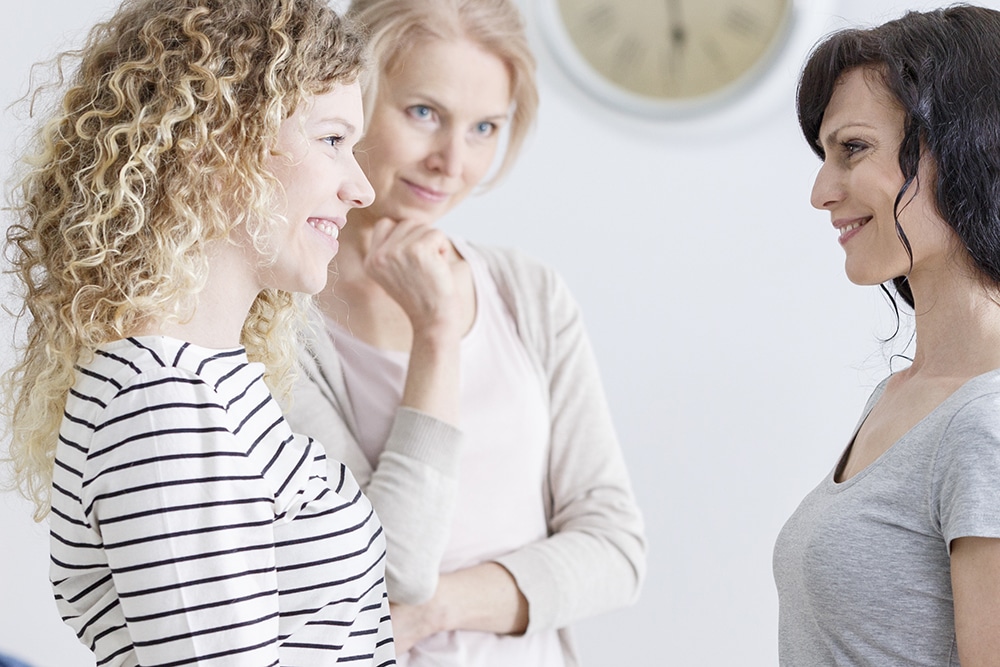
pixel 736 355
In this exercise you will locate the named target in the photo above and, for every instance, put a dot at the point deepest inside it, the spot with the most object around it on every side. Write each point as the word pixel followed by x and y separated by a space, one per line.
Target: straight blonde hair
pixel 495 25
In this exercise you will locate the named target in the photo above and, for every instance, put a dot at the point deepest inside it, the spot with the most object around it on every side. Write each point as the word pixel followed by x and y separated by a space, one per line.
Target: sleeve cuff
pixel 537 584
pixel 426 439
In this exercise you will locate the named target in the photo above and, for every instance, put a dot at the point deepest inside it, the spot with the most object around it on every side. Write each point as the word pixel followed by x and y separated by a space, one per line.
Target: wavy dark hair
pixel 943 68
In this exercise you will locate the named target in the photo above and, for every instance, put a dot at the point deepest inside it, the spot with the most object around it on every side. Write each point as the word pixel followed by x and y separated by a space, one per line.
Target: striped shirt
pixel 190 526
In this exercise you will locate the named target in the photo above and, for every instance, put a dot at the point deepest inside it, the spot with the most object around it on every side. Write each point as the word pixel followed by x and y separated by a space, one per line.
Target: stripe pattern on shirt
pixel 190 526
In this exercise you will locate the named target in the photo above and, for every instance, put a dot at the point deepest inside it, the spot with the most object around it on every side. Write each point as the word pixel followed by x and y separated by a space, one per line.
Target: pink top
pixel 505 423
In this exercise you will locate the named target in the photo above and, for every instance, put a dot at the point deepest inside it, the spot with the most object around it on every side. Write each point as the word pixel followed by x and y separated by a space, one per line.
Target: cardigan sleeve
pixel 595 557
pixel 414 484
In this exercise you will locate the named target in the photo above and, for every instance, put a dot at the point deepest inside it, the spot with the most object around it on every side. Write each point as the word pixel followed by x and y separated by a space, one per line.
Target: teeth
pixel 850 227
pixel 327 228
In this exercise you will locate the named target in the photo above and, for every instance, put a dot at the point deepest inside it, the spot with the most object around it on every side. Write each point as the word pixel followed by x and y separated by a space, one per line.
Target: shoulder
pixel 976 407
pixel 156 371
pixel 968 462
pixel 534 293
pixel 121 370
pixel 968 424
pixel 532 289
pixel 134 407
pixel 514 266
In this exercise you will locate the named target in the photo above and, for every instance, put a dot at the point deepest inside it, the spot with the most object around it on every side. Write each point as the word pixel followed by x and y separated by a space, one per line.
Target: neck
pixel 355 238
pixel 222 306
pixel 957 319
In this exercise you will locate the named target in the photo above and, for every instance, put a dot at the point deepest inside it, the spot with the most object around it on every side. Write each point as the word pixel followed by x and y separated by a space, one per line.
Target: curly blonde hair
pixel 495 25
pixel 158 148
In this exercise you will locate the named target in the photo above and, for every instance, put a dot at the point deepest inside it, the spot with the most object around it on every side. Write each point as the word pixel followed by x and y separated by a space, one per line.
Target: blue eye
pixel 333 140
pixel 420 112
pixel 486 128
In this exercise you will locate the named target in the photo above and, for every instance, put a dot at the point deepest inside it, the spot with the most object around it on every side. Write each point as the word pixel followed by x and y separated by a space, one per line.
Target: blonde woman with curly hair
pixel 456 380
pixel 194 176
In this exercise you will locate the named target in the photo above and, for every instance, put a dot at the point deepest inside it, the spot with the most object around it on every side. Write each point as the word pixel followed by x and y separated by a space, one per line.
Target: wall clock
pixel 668 57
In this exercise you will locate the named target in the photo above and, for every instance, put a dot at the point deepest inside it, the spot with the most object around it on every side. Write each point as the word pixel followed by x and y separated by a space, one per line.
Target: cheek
pixel 297 185
pixel 306 183
pixel 480 164
pixel 389 144
pixel 377 161
pixel 288 170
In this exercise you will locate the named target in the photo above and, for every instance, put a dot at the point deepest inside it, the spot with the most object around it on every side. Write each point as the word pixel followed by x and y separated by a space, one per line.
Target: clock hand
pixel 676 34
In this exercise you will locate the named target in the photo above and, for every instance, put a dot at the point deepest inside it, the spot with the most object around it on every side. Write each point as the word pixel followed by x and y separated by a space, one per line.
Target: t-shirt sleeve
pixel 187 526
pixel 968 472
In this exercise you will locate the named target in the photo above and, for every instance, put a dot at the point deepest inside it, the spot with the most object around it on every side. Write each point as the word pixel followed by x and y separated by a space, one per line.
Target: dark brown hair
pixel 943 69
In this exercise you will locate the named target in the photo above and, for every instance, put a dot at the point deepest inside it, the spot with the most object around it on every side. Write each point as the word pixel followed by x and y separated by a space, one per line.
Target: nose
pixel 827 189
pixel 357 190
pixel 448 154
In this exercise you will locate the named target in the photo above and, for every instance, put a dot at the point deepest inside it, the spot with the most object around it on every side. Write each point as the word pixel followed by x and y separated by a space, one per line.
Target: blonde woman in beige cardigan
pixel 457 381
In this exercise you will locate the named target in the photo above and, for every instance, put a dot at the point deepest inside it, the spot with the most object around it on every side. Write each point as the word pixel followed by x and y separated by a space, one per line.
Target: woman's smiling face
pixel 435 128
pixel 321 181
pixel 859 181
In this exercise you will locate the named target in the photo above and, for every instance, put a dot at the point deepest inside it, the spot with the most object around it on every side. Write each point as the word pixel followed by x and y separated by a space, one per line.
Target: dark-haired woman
pixel 895 557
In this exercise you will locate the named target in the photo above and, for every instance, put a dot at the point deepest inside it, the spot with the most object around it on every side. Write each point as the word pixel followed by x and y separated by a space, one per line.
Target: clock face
pixel 671 51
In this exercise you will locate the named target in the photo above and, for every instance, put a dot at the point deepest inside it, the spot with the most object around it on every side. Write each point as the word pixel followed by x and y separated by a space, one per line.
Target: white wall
pixel 736 355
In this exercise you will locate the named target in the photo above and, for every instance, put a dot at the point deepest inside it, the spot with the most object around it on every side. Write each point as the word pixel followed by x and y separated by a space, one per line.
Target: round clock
pixel 667 57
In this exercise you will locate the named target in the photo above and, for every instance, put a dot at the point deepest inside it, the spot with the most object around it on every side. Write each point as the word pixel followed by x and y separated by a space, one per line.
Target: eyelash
pixel 852 147
pixel 334 140
pixel 417 111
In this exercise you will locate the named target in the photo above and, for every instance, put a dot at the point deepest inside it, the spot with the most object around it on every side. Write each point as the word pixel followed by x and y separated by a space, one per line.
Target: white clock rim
pixel 803 27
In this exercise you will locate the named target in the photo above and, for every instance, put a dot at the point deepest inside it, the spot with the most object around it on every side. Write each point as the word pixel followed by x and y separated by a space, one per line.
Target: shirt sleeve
pixel 186 523
pixel 968 471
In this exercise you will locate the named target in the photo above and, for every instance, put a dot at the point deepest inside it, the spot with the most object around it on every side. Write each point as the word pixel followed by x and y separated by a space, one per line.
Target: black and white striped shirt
pixel 190 526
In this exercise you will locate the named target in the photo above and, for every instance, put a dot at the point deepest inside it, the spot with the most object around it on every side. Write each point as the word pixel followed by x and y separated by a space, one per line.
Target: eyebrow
pixel 499 116
pixel 831 136
pixel 336 120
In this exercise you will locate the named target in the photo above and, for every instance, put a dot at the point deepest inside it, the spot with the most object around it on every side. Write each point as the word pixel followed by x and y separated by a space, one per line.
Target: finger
pixel 410 242
pixel 393 237
pixel 430 238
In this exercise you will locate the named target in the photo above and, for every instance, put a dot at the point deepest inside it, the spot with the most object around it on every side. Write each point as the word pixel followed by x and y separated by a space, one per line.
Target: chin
pixel 311 285
pixel 426 211
pixel 860 273
pixel 315 288
pixel 867 280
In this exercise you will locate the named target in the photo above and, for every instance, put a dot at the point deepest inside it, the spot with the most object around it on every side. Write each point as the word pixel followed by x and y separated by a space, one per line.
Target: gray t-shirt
pixel 862 567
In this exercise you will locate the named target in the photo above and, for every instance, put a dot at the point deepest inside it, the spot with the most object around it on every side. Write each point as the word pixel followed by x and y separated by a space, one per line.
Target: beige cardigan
pixel 594 559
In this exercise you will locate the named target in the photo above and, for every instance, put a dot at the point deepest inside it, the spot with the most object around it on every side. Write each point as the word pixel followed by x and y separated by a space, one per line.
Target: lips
pixel 849 227
pixel 428 194
pixel 326 226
